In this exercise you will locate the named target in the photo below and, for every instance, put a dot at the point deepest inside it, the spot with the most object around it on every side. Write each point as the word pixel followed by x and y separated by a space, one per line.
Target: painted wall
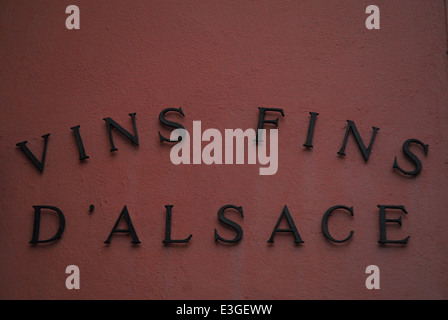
pixel 220 61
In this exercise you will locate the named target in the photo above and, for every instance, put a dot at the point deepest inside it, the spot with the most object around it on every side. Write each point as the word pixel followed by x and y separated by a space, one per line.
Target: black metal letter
pixel 124 213
pixel 292 229
pixel 82 152
pixel 412 156
pixel 383 220
pixel 39 164
pixel 309 137
pixel 261 119
pixel 37 212
pixel 365 151
pixel 325 223
pixel 170 123
pixel 234 225
pixel 168 228
pixel 111 123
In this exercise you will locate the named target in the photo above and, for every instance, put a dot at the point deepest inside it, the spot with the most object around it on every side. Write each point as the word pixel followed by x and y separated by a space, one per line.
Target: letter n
pixel 111 123
pixel 365 151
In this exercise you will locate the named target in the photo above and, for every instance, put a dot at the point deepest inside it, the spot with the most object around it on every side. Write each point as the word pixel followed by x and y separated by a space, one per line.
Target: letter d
pixel 37 212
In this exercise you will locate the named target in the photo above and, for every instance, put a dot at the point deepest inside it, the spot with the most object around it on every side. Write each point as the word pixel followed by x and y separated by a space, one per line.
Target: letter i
pixel 82 152
pixel 309 137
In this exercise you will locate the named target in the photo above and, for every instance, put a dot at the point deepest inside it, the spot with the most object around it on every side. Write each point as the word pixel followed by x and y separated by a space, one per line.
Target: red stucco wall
pixel 220 61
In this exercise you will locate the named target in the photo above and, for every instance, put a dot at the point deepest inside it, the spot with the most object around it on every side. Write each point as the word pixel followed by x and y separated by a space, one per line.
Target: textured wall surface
pixel 220 61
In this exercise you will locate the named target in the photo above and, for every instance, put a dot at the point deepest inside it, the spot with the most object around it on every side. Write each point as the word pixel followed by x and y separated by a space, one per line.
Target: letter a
pixel 72 281
pixel 373 21
pixel 72 21
pixel 373 281
pixel 124 214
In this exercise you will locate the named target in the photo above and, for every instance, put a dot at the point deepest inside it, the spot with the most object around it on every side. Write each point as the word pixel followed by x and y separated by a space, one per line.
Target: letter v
pixel 39 164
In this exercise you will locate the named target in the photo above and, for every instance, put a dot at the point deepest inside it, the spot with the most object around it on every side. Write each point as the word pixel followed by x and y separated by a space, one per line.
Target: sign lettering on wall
pixel 213 153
